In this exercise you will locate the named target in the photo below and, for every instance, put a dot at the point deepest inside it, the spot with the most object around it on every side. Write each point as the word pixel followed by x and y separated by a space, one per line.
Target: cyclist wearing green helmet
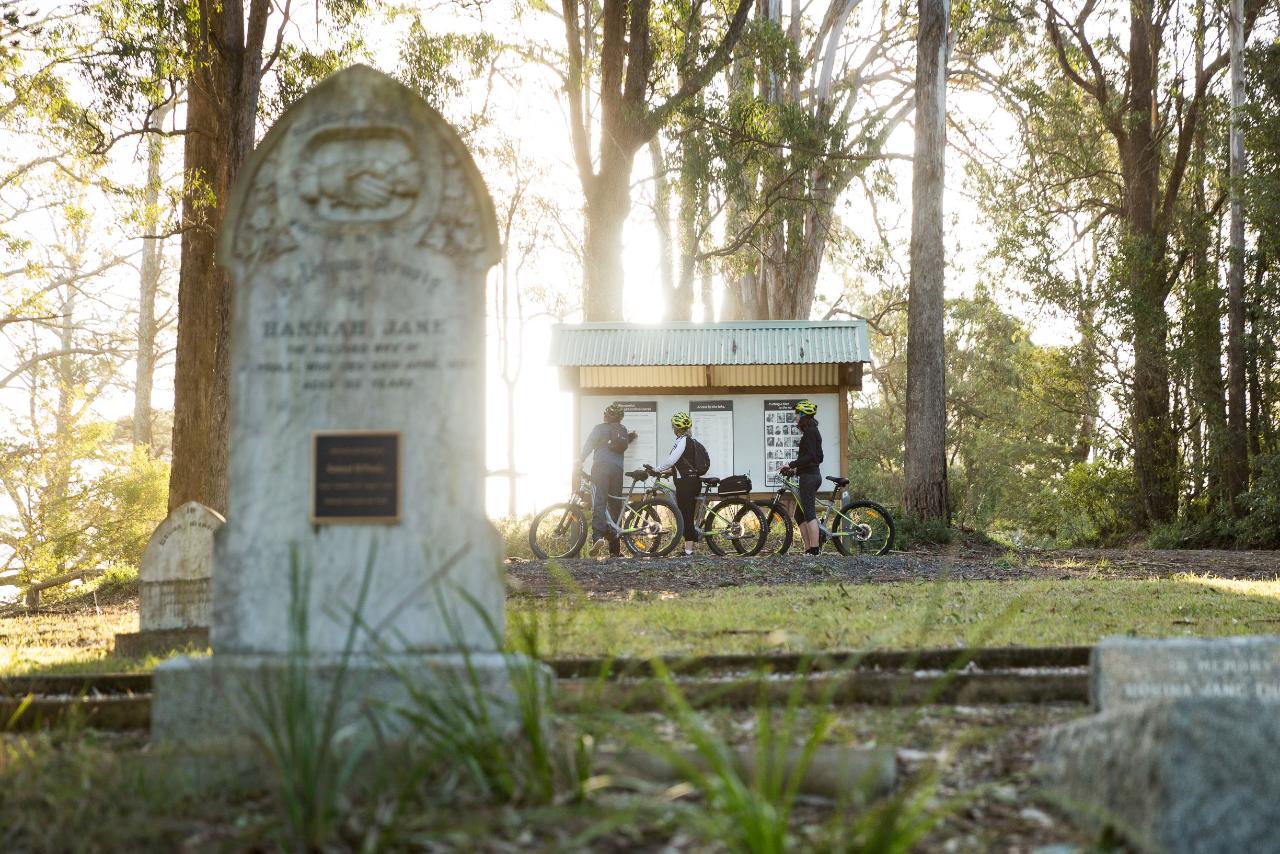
pixel 806 468
pixel 606 444
pixel 688 485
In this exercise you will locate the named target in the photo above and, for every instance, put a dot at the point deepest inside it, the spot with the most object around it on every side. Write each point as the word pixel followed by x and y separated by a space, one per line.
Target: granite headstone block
pixel 1188 775
pixel 1137 670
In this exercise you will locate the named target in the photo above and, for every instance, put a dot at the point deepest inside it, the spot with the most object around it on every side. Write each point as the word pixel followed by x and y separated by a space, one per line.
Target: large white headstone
pixel 358 237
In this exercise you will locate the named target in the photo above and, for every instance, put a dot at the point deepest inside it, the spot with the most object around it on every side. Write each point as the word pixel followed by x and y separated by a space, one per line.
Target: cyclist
pixel 806 469
pixel 606 444
pixel 688 484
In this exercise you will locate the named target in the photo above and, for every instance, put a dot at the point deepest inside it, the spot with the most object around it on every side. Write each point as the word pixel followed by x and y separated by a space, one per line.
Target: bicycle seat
pixel 638 474
pixel 711 481
pixel 838 481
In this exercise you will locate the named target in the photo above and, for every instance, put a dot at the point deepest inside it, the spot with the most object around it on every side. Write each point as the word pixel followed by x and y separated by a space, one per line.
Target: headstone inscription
pixel 174 583
pixel 358 237
pixel 1135 670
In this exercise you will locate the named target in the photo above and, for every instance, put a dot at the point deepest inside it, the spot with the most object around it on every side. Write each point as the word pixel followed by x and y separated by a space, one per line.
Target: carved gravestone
pixel 358 237
pixel 174 583
pixel 1183 754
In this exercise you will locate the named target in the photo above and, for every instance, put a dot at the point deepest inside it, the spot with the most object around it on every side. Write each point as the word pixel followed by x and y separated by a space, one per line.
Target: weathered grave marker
pixel 174 583
pixel 358 237
pixel 1184 754
pixel 1135 670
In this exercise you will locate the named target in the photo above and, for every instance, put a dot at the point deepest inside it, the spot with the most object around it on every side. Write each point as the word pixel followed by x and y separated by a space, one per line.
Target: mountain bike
pixel 734 522
pixel 857 527
pixel 650 526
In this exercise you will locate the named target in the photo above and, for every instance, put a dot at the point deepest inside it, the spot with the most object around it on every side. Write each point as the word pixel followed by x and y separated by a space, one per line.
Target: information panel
pixel 640 416
pixel 781 437
pixel 355 477
pixel 713 427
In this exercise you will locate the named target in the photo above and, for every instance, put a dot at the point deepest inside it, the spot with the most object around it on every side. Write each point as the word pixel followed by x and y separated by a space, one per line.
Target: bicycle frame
pixel 827 509
pixel 700 509
pixel 580 495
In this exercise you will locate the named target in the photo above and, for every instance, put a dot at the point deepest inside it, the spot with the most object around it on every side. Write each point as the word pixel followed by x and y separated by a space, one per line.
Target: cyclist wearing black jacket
pixel 605 445
pixel 806 467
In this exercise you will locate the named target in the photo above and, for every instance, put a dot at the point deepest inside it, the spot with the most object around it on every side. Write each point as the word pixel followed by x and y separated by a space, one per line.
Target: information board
pixel 640 416
pixel 713 427
pixel 355 477
pixel 781 437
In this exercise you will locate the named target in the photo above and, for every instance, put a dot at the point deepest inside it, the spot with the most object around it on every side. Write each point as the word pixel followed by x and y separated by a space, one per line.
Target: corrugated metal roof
pixel 771 342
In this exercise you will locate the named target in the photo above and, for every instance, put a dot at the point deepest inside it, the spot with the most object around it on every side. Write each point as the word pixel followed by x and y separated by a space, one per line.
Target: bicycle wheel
pixel 863 527
pixel 651 528
pixel 558 531
pixel 779 529
pixel 734 524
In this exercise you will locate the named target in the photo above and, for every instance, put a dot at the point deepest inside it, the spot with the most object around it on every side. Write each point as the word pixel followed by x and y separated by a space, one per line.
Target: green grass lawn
pixel 779 618
pixel 865 616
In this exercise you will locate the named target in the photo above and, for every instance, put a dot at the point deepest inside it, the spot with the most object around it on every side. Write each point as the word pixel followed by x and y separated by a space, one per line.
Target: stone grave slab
pixel 174 580
pixel 1137 670
pixel 1188 775
pixel 358 237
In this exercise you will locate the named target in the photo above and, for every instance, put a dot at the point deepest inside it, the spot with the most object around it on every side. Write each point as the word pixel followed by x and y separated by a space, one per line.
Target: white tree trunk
pixel 1237 467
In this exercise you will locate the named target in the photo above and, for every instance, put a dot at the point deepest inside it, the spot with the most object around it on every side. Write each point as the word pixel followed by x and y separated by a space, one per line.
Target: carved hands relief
pixel 360 174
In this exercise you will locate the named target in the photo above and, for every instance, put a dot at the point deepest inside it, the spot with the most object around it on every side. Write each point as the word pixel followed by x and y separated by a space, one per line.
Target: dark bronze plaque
pixel 355 477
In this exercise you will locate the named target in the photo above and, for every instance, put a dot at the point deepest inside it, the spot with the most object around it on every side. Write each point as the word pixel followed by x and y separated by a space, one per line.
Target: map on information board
pixel 713 427
pixel 781 437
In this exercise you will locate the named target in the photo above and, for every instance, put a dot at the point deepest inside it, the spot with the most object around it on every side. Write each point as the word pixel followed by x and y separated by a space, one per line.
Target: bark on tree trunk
pixel 925 465
pixel 222 103
pixel 608 204
pixel 1236 470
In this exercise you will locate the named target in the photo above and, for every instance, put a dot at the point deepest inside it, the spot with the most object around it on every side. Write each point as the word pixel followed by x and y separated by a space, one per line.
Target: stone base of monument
pixel 160 641
pixel 1180 775
pixel 203 700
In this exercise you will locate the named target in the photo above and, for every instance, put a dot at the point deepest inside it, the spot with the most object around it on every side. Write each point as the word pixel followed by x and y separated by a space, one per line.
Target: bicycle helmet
pixel 681 421
pixel 807 407
pixel 613 412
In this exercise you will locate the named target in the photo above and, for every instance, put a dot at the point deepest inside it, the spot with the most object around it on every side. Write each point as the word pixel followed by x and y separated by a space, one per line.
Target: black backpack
pixel 620 440
pixel 695 462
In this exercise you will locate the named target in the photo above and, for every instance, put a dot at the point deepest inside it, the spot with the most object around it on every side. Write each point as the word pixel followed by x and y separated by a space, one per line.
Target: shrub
pixel 1097 504
pixel 1260 528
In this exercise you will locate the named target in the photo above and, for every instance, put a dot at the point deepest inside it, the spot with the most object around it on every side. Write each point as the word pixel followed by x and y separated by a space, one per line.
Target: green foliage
pixel 1260 529
pixel 912 531
pixel 1095 504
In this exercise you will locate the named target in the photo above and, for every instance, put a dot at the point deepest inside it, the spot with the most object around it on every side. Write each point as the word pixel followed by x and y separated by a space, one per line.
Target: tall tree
pixel 224 42
pixel 149 284
pixel 1140 112
pixel 1236 469
pixel 925 463
pixel 621 42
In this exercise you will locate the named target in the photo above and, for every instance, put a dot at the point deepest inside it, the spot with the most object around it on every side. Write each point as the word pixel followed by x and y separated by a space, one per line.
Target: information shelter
pixel 738 381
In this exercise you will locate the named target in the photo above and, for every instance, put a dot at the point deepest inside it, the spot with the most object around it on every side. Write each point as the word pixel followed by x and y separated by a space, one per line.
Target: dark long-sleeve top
pixel 598 444
pixel 809 455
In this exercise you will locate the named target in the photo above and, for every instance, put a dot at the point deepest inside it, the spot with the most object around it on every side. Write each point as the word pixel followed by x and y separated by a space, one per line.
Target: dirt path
pixel 609 578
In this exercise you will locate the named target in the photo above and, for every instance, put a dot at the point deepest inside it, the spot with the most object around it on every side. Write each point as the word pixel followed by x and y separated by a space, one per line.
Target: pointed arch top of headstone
pixel 360 151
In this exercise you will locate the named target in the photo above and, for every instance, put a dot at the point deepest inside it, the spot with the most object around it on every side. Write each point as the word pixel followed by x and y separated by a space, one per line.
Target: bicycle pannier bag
pixel 736 483
pixel 696 461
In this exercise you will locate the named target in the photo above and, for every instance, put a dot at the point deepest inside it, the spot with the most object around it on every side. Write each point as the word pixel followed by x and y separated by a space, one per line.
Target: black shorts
pixel 809 484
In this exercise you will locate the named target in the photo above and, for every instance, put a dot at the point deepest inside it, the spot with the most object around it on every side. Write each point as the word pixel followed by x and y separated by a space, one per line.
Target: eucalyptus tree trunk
pixel 225 56
pixel 1236 470
pixel 149 281
pixel 925 465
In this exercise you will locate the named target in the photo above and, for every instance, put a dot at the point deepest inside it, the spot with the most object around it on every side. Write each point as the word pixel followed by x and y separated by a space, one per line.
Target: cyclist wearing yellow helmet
pixel 688 484
pixel 806 468
pixel 605 445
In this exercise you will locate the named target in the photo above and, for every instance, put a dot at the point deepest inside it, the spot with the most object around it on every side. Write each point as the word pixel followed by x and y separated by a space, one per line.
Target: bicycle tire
pixel 663 523
pixel 779 529
pixel 562 543
pixel 878 529
pixel 743 514
pixel 718 526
